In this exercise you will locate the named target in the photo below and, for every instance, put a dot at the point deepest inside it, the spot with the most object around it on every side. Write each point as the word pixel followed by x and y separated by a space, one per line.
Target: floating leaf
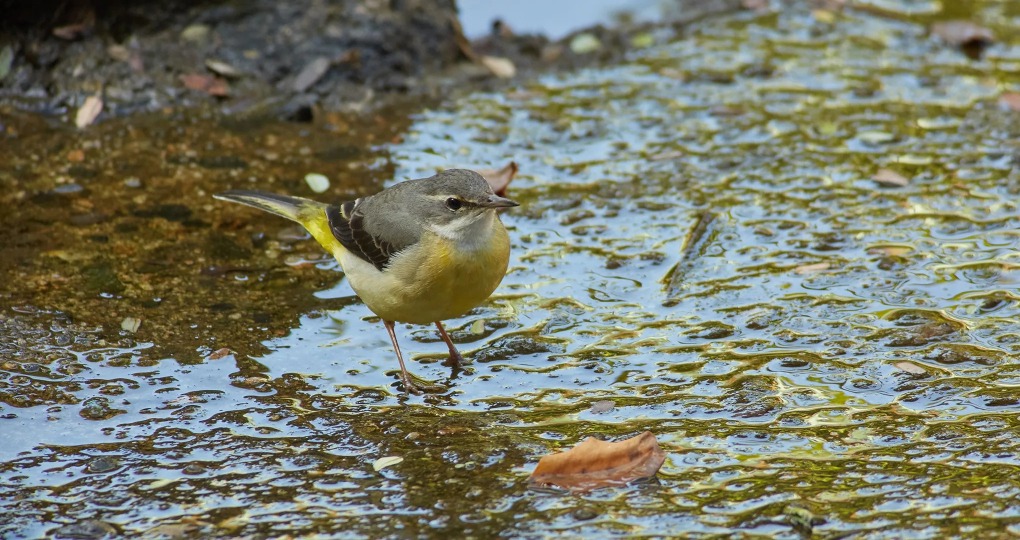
pixel 890 178
pixel 319 183
pixel 88 111
pixel 387 461
pixel 594 463
pixel 499 179
pixel 500 67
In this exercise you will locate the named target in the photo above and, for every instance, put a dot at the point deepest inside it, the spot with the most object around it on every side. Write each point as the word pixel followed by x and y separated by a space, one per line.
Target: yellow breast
pixel 436 279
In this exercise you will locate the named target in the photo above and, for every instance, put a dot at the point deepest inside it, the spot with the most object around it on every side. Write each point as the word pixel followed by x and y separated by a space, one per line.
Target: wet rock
pixel 509 347
pixel 130 324
pixel 221 246
pixel 801 518
pixel 311 73
pixel 169 212
pixel 102 278
pixel 710 330
pixel 193 469
pixel 222 162
pixel 98 408
pixel 921 335
pixel 102 464
pixel 602 407
pixel 196 33
pixel 68 189
pixel 90 529
pixel 383 46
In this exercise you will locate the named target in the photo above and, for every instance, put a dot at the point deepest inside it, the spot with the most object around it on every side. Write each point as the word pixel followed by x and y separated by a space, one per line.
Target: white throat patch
pixel 467 229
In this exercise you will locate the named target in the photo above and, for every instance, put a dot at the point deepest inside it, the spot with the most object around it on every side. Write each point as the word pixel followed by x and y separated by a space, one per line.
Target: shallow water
pixel 828 356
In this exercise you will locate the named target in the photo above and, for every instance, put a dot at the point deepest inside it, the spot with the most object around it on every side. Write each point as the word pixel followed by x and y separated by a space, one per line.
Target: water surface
pixel 829 355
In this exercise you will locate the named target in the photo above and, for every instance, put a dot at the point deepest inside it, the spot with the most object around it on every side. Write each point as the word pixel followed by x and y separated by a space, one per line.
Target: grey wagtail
pixel 418 252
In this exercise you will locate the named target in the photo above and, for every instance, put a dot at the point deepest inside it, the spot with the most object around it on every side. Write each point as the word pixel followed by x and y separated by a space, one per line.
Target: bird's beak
pixel 495 201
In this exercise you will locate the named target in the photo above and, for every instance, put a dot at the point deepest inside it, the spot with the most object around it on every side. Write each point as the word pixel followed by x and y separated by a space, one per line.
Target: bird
pixel 420 252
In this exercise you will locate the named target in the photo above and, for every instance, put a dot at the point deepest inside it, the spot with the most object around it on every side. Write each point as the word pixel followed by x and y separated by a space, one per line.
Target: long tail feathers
pixel 310 214
pixel 281 205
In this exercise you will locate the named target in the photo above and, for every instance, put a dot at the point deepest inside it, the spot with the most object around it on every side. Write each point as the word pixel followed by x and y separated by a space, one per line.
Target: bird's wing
pixel 347 223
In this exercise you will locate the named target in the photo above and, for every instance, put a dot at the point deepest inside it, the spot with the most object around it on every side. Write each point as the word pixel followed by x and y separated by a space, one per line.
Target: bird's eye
pixel 453 203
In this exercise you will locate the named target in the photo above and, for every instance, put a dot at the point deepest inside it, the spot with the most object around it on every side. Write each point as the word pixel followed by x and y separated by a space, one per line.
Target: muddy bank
pixel 142 57
pixel 287 58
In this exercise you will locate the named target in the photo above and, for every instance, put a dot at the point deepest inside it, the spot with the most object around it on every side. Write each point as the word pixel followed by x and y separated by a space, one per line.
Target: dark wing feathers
pixel 348 226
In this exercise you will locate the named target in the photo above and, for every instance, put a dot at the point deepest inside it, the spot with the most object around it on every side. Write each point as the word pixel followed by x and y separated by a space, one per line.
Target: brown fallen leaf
pixel 499 179
pixel 594 463
pixel 88 111
pixel 890 178
pixel 216 355
pixel 214 86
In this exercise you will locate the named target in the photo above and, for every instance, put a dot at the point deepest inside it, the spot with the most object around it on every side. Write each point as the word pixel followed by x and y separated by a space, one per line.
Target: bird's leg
pixel 404 375
pixel 456 360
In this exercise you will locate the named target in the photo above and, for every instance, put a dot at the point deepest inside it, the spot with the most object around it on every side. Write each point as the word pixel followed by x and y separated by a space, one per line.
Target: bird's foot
pixel 418 389
pixel 455 360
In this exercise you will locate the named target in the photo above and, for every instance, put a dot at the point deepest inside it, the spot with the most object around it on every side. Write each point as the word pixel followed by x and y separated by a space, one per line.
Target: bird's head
pixel 455 199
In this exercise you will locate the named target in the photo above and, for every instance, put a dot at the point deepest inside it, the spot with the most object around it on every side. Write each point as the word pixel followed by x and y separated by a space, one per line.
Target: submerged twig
pixel 698 237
